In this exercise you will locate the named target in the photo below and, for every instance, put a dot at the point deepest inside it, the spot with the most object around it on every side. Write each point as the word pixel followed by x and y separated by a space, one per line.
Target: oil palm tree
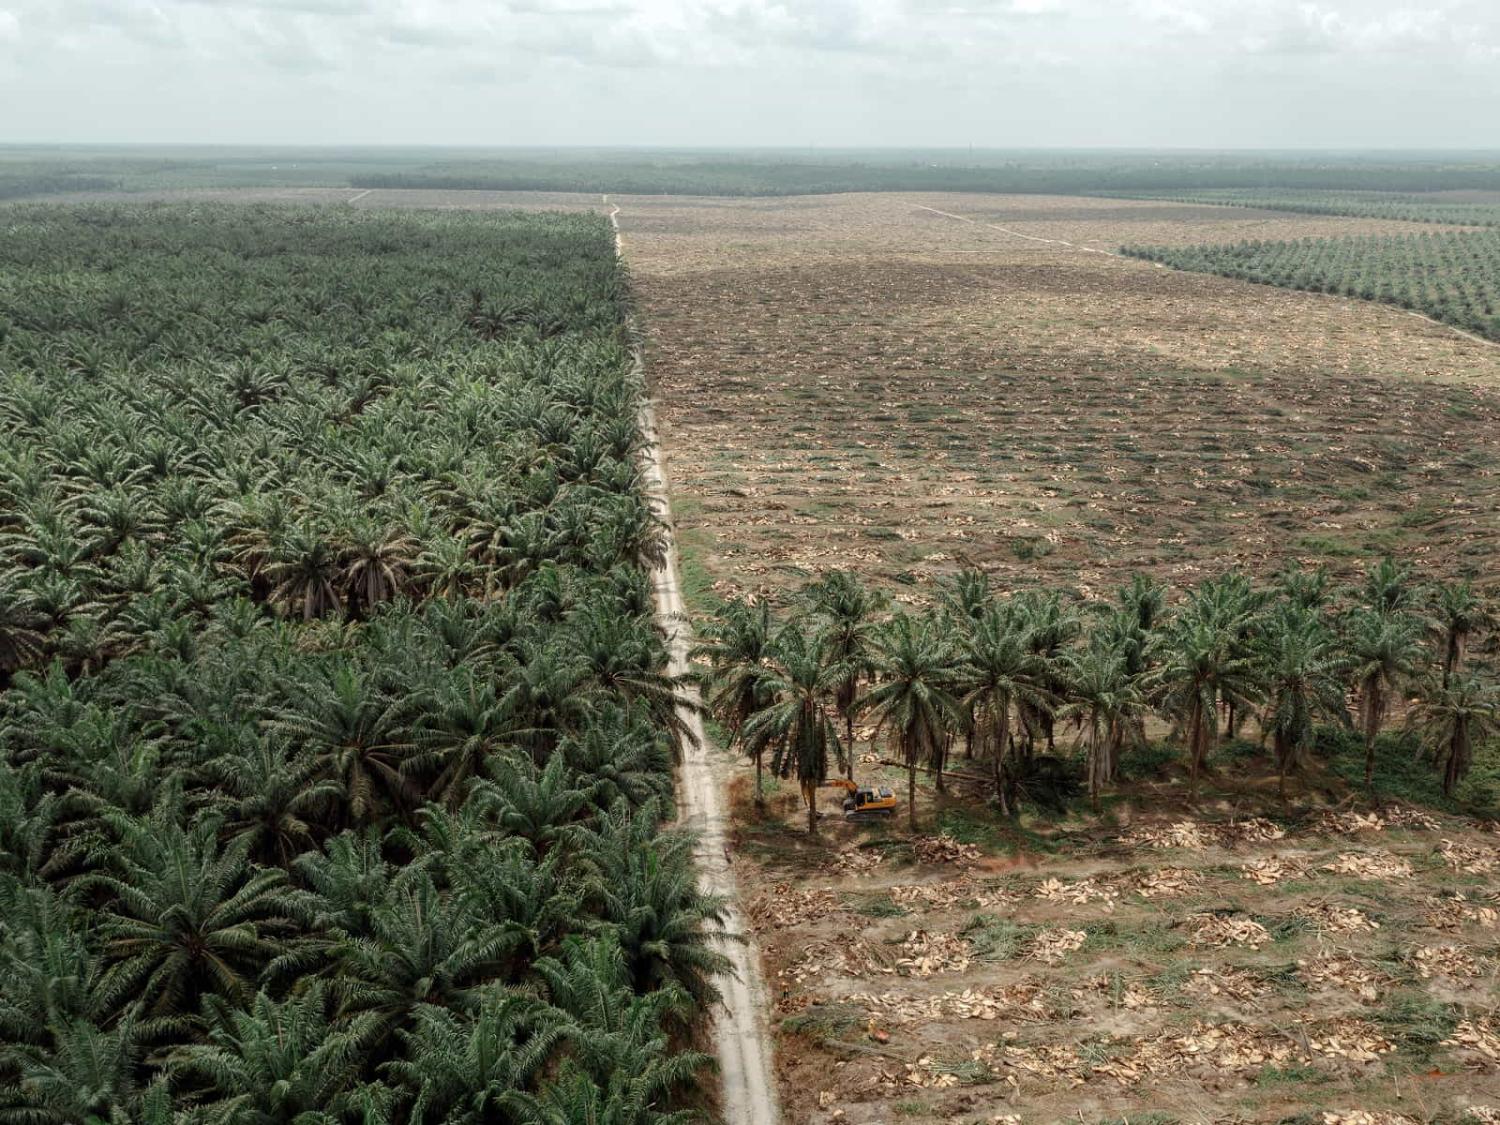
pixel 1457 614
pixel 359 735
pixel 846 608
pixel 21 637
pixel 1384 655
pixel 1455 715
pixel 912 699
pixel 648 894
pixel 998 672
pixel 185 914
pixel 793 720
pixel 1388 588
pixel 304 573
pixel 474 1070
pixel 274 1061
pixel 1204 661
pixel 1303 673
pixel 1107 698
pixel 736 645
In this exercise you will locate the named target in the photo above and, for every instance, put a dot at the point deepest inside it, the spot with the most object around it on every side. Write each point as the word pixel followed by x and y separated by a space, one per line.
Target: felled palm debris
pixel 945 849
pixel 1470 859
pixel 1272 869
pixel 1053 946
pixel 1342 971
pixel 850 959
pixel 1080 892
pixel 926 954
pixel 1166 882
pixel 783 907
pixel 1332 918
pixel 1181 834
pixel 1454 912
pixel 1221 930
pixel 1477 1037
pixel 856 861
pixel 1023 1000
pixel 1375 865
pixel 1226 982
pixel 1444 961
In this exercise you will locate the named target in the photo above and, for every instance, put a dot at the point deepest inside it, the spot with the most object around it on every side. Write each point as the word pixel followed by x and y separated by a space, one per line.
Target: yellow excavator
pixel 863 802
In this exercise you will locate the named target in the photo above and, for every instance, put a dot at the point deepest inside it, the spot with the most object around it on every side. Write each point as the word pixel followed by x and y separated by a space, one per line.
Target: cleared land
pixel 1224 968
pixel 856 381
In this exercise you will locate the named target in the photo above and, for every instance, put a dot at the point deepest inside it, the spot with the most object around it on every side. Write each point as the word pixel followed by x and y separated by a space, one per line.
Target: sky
pixel 819 73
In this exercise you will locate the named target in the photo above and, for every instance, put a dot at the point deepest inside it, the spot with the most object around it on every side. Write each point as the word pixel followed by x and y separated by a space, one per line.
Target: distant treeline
pixel 28 185
pixel 767 172
pixel 1077 176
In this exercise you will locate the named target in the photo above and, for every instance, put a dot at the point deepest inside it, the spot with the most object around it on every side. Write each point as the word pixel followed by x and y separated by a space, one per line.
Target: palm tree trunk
pixel 810 794
pixel 1195 743
pixel 849 742
pixel 1095 760
pixel 1002 737
pixel 911 792
pixel 1372 708
pixel 760 793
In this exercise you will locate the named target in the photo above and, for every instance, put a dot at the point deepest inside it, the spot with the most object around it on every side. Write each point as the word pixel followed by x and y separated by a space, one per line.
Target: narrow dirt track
pixel 742 1045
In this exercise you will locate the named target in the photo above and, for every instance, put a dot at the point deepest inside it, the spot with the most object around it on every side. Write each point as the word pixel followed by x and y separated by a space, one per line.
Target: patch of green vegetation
pixel 1417 1022
pixel 996 939
pixel 824 1022
pixel 876 906
pixel 1290 1076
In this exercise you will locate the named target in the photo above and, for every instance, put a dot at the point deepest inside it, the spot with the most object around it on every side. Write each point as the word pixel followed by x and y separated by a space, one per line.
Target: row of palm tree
pixel 336 731
pixel 999 673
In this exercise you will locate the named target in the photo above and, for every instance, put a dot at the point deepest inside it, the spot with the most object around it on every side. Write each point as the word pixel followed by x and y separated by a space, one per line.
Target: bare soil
pixel 855 381
pixel 1183 966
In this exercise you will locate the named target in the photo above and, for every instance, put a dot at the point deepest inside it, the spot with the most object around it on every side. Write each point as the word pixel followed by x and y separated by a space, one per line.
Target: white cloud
pixel 757 71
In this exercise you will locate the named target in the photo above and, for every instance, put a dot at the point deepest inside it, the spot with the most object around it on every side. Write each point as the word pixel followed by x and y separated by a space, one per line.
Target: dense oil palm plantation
pixel 335 730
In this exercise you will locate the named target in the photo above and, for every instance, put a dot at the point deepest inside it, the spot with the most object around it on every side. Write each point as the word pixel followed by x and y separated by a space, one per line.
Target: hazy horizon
pixel 1134 75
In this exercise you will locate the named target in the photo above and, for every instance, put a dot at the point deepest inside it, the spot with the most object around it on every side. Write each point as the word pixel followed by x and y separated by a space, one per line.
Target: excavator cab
pixel 868 801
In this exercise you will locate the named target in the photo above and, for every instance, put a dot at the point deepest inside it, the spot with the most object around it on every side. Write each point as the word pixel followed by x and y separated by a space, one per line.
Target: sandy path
pixel 743 1048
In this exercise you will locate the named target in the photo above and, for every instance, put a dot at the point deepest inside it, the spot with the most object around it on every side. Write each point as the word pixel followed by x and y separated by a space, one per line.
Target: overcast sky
pixel 995 73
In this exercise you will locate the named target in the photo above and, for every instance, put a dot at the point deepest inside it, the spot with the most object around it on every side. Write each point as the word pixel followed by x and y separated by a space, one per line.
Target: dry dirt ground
pixel 1337 970
pixel 858 381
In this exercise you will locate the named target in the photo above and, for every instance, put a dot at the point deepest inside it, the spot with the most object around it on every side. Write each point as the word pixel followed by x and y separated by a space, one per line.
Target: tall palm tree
pixel 20 628
pixel 358 733
pixel 1303 672
pixel 1204 661
pixel 304 573
pixel 793 721
pixel 274 1061
pixel 1051 626
pixel 375 563
pixel 185 915
pixel 846 608
pixel 1107 697
pixel 1384 653
pixel 1388 588
pixel 999 671
pixel 648 893
pixel 475 1070
pixel 736 643
pixel 1455 714
pixel 912 699
pixel 1458 613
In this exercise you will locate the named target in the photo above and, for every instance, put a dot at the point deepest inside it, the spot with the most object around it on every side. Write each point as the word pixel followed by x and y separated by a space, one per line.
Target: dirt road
pixel 742 1046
